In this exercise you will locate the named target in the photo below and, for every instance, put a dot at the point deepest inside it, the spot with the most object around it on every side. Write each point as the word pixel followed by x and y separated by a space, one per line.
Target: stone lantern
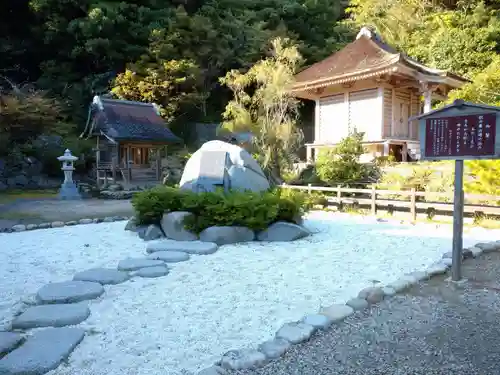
pixel 69 190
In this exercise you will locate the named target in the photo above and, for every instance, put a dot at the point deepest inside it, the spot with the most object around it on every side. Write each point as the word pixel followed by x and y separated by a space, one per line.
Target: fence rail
pixel 372 198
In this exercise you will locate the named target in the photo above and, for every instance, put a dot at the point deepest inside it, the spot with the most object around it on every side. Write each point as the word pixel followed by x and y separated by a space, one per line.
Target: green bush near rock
pixel 253 210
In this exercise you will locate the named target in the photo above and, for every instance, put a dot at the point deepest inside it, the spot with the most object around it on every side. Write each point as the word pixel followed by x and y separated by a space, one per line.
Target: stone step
pixel 189 247
pixel 58 315
pixel 8 342
pixel 69 292
pixel 42 352
pixel 104 276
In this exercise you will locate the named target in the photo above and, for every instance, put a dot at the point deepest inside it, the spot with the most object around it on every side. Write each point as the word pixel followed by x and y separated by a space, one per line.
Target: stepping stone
pixel 51 316
pixel 134 264
pixel 104 276
pixel 69 292
pixel 42 352
pixel 8 341
pixel 169 256
pixel 152 271
pixel 190 247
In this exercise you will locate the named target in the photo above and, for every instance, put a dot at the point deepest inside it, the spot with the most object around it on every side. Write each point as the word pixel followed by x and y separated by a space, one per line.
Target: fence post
pixel 413 205
pixel 339 192
pixel 374 201
pixel 309 190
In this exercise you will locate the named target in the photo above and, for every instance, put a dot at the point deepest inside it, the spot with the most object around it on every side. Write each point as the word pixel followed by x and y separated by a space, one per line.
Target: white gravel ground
pixel 235 298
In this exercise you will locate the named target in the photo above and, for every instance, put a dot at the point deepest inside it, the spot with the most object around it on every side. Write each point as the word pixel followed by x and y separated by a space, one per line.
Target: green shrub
pixel 342 165
pixel 253 210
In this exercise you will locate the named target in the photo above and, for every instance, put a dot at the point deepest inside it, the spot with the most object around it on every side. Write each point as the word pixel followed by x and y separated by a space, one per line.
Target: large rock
pixel 283 231
pixel 42 352
pixel 172 224
pixel 189 247
pixel 52 316
pixel 219 163
pixel 227 235
pixel 69 292
pixel 153 232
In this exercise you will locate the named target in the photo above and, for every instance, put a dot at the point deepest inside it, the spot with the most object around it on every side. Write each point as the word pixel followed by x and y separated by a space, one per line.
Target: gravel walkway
pixel 436 328
pixel 47 210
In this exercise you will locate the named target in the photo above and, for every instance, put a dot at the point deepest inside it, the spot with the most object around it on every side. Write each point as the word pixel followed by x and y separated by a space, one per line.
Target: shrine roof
pixel 130 120
pixel 361 58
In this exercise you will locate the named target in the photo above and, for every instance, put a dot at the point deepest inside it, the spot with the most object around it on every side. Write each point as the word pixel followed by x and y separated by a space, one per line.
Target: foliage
pixel 253 210
pixel 463 38
pixel 170 84
pixel 75 49
pixel 341 165
pixel 485 177
pixel 423 177
pixel 263 106
pixel 485 88
pixel 24 115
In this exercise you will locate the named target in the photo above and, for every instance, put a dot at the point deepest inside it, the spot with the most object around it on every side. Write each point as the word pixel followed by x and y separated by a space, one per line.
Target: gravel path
pixel 437 328
pixel 47 210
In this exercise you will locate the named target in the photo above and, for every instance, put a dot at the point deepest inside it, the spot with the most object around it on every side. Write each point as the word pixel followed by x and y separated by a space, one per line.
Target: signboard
pixel 460 131
pixel 468 136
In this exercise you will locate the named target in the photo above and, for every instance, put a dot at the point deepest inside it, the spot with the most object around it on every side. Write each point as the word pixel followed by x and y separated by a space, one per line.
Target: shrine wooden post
pixel 460 131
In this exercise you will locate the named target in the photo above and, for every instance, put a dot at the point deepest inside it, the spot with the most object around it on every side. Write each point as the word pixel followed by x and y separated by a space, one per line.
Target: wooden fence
pixel 394 200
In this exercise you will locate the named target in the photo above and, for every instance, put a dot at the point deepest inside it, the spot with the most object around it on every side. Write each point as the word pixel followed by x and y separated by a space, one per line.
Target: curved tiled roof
pixel 128 120
pixel 366 54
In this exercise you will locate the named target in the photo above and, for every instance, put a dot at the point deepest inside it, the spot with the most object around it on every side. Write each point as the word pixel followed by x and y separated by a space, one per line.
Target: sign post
pixel 458 221
pixel 460 131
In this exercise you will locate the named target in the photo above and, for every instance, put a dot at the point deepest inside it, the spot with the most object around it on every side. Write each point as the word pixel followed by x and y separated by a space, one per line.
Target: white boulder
pixel 236 170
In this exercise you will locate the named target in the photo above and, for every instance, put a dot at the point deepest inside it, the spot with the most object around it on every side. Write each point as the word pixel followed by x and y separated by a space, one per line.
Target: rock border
pixel 59 224
pixel 293 333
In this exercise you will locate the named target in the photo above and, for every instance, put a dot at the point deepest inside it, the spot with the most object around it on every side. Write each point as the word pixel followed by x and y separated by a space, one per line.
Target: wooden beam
pixel 393 106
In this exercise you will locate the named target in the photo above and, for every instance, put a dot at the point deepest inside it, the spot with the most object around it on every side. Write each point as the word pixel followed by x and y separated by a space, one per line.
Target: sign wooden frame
pixel 460 131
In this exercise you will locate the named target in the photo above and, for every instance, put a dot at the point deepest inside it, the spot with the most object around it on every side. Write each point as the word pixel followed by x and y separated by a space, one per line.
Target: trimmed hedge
pixel 253 210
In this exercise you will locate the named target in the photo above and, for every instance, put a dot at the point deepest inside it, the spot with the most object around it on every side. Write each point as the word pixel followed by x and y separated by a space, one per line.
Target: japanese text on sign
pixel 472 135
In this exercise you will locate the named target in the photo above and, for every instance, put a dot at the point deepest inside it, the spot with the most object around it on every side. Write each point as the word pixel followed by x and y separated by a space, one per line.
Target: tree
pixel 170 84
pixel 24 115
pixel 264 106
pixel 486 177
pixel 463 39
pixel 342 163
pixel 484 89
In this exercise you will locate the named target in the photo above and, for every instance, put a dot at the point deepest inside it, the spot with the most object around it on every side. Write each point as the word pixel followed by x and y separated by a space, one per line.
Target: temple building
pixel 370 87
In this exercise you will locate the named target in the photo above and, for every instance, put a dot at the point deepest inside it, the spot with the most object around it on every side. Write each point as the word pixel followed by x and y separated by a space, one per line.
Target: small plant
pixel 253 210
pixel 342 164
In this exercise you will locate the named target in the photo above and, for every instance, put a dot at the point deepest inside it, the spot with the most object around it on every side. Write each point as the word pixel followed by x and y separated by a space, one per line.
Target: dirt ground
pixel 436 328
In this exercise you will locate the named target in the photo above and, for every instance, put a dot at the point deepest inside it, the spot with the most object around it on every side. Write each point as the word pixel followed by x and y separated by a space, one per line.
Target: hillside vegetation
pixel 57 54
